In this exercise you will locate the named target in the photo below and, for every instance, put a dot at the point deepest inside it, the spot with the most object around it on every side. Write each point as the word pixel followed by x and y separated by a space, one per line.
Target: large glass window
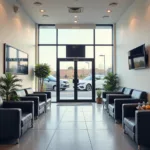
pixel 98 45
pixel 103 59
pixel 75 36
pixel 47 35
pixel 103 35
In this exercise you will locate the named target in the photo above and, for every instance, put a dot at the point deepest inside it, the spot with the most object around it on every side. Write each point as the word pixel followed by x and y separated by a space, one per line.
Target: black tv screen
pixel 16 61
pixel 137 58
pixel 75 51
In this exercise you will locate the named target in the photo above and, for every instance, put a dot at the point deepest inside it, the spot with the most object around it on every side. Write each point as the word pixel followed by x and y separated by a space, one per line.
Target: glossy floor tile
pixel 74 126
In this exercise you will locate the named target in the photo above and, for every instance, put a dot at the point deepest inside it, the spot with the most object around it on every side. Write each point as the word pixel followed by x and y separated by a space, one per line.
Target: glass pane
pixel 103 64
pixel 89 52
pixel 75 36
pixel 103 35
pixel 66 80
pixel 84 73
pixel 47 54
pixel 47 35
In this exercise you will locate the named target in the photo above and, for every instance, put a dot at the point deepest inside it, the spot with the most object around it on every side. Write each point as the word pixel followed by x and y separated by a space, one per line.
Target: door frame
pixel 75 60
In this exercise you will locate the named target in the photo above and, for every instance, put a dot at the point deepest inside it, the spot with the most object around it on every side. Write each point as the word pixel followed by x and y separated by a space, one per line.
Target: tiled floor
pixel 74 127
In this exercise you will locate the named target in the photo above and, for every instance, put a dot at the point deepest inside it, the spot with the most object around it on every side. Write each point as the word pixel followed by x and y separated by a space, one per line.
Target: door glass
pixel 84 74
pixel 66 80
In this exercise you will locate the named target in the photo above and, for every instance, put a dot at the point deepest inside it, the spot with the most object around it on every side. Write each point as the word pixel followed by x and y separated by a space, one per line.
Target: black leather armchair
pixel 15 119
pixel 39 103
pixel 120 91
pixel 48 100
pixel 115 104
pixel 110 97
pixel 136 124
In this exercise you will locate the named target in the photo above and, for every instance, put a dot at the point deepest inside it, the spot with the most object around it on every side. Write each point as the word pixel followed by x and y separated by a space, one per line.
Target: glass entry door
pixel 75 80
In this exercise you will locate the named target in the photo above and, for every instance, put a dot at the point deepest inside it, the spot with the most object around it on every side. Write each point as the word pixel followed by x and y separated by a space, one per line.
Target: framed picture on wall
pixel 15 60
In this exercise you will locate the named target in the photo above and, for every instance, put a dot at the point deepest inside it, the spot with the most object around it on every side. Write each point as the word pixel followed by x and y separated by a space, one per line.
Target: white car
pixel 86 83
pixel 50 83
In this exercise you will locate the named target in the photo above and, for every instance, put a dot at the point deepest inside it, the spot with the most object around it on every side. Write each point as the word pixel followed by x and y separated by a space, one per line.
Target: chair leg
pixel 32 123
pixel 17 141
pixel 116 122
pixel 139 147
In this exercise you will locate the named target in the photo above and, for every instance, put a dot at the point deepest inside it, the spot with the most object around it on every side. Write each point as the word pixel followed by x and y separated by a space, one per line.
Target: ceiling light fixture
pixel 42 10
pixel 109 11
pixel 75 21
pixel 75 16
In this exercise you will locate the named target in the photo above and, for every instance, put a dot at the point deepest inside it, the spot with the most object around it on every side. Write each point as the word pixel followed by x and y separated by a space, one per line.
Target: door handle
pixel 73 81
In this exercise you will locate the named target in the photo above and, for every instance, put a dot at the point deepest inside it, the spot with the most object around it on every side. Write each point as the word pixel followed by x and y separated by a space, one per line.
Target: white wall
pixel 133 29
pixel 17 30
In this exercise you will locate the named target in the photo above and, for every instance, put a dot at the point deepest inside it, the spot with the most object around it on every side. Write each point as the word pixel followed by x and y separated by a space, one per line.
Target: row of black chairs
pixel 17 117
pixel 122 106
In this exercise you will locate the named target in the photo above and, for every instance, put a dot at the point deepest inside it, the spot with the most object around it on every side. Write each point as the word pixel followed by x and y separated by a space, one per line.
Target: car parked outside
pixel 86 83
pixel 50 83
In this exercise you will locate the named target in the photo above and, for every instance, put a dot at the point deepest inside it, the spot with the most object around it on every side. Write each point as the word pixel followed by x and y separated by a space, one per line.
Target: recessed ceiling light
pixel 109 11
pixel 42 10
pixel 75 16
pixel 75 21
pixel 113 4
pixel 45 15
pixel 105 17
pixel 37 3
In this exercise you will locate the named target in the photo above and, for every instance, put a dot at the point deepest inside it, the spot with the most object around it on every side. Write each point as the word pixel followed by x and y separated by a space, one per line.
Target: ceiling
pixel 93 12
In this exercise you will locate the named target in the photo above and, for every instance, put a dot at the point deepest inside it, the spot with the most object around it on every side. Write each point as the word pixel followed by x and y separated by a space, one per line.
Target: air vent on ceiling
pixel 113 4
pixel 37 3
pixel 45 15
pixel 75 9
pixel 105 17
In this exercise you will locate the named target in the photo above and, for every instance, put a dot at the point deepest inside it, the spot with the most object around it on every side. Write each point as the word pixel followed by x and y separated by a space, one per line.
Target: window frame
pixel 94 41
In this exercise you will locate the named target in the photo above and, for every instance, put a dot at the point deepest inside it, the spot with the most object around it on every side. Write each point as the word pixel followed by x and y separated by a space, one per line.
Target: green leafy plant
pixel 111 82
pixel 99 93
pixel 8 85
pixel 42 71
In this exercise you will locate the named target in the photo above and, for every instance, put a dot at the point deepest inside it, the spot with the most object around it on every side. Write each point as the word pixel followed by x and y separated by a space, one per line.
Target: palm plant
pixel 8 85
pixel 111 82
pixel 42 71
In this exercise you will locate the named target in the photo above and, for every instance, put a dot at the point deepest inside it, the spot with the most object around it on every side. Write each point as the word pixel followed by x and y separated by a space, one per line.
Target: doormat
pixel 74 104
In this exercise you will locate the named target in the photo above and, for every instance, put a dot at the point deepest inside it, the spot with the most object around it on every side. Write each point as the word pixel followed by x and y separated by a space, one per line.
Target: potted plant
pixel 111 82
pixel 42 71
pixel 99 99
pixel 8 85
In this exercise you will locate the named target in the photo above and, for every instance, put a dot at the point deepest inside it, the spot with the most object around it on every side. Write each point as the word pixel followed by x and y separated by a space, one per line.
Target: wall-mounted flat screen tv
pixel 75 51
pixel 138 58
pixel 15 60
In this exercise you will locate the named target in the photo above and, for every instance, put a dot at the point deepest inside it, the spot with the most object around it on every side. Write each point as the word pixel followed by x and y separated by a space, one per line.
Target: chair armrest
pixel 42 97
pixel 105 93
pixel 128 110
pixel 26 107
pixel 142 120
pixel 118 106
pixel 46 92
pixel 10 123
pixel 111 97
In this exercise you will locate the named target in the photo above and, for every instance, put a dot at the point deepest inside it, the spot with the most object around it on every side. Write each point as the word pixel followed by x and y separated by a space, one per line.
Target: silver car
pixel 50 83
